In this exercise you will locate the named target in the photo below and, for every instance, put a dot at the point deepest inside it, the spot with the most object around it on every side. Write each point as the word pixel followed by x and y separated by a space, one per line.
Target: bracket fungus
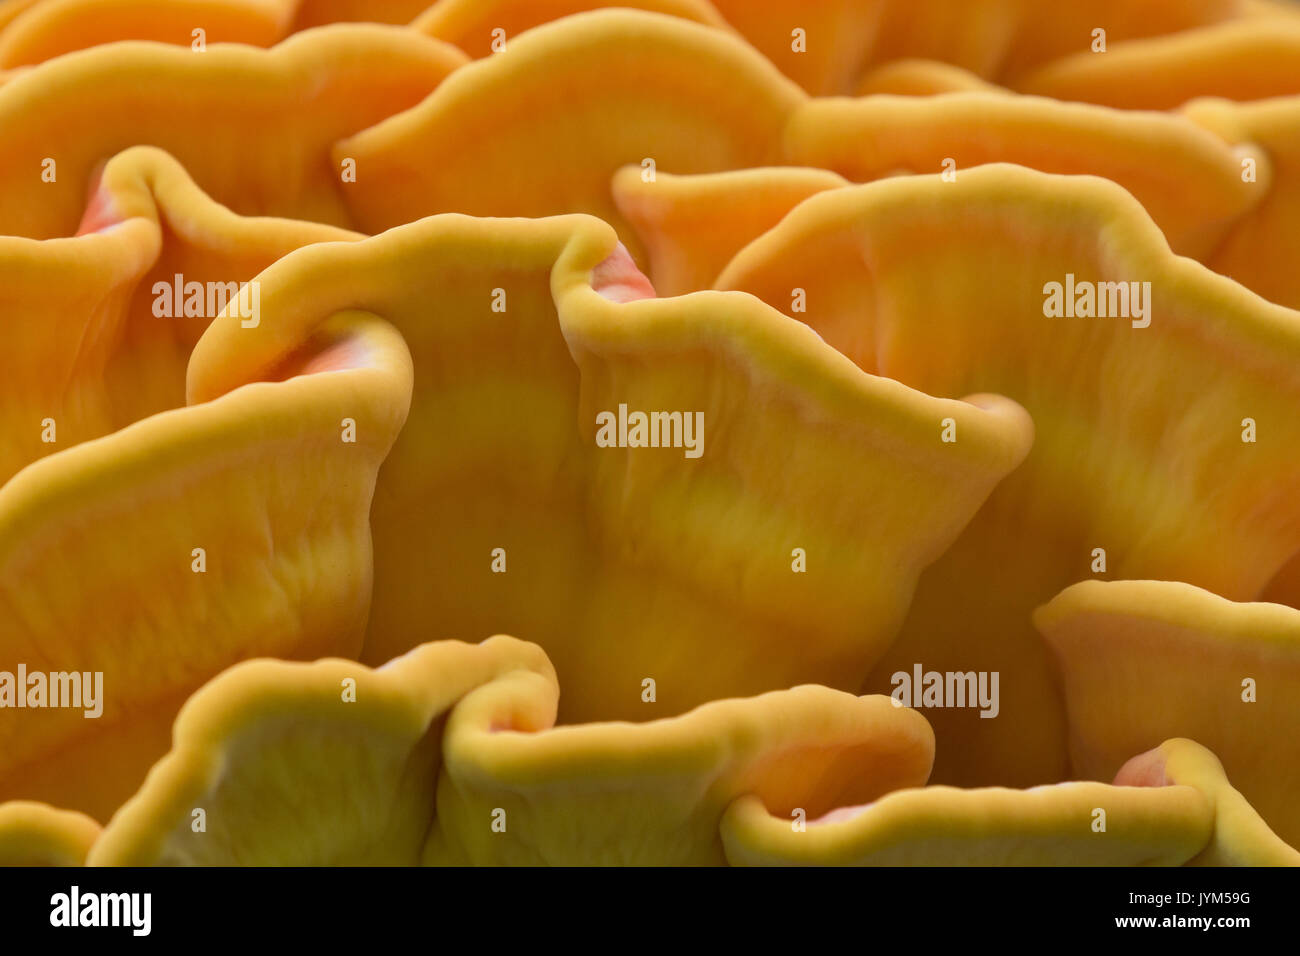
pixel 1251 58
pixel 998 40
pixel 692 226
pixel 1239 159
pixel 654 793
pixel 327 763
pixel 1241 837
pixel 1135 414
pixel 686 557
pixel 252 127
pixel 1171 806
pixel 450 747
pixel 1054 825
pixel 33 31
pixel 239 524
pixel 738 356
pixel 485 27
pixel 1157 157
pixel 1140 658
pixel 1259 248
pixel 920 77
pixel 153 553
pixel 539 129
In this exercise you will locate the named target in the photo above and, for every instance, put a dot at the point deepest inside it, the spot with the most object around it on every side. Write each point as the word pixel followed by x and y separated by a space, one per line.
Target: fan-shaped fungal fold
pixel 146 561
pixel 1144 661
pixel 32 31
pixel 692 226
pixel 49 28
pixel 1064 824
pixel 451 747
pixel 1241 837
pixel 744 356
pixel 142 558
pixel 1261 247
pixel 825 45
pixel 514 501
pixel 103 323
pixel 1250 58
pixel 916 77
pixel 1157 157
pixel 1165 431
pixel 539 129
pixel 252 127
pixel 518 793
pixel 35 834
pixel 484 27
pixel 329 763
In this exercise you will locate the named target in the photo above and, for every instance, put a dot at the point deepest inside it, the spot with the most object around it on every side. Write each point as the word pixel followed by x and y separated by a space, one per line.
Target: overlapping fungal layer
pixel 33 31
pixel 1170 806
pixel 485 27
pixel 1241 837
pixel 156 552
pixel 448 755
pixel 205 478
pixel 826 46
pixel 687 552
pixel 1260 247
pixel 337 763
pixel 1158 157
pixel 692 226
pixel 252 127
pixel 1139 658
pixel 1139 418
pixel 1247 59
pixel 540 129
pixel 459 150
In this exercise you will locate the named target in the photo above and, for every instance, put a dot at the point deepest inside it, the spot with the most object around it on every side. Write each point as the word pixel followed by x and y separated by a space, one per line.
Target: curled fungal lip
pixel 239 524
pixel 447 755
pixel 1158 157
pixel 32 31
pixel 1259 247
pixel 1170 806
pixel 1241 837
pixel 1139 658
pixel 484 27
pixel 252 127
pixel 479 493
pixel 866 257
pixel 361 747
pixel 198 535
pixel 670 93
pixel 36 834
pixel 1245 59
pixel 692 226
pixel 1160 54
pixel 92 355
pixel 846 38
pixel 440 431
pixel 1044 826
